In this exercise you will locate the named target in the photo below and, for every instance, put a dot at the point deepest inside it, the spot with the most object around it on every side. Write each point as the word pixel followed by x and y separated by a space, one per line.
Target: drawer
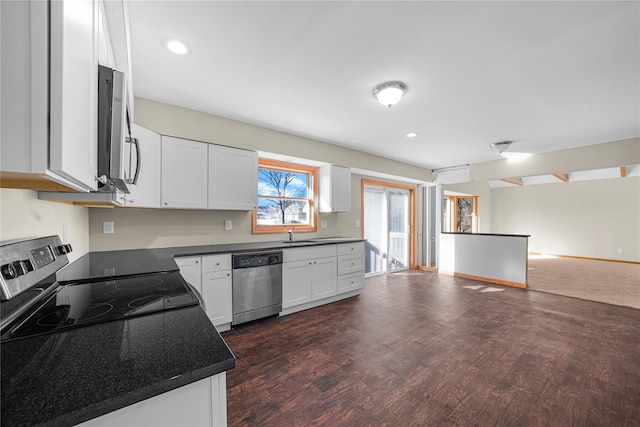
pixel 216 263
pixel 356 248
pixel 350 264
pixel 350 282
pixel 308 252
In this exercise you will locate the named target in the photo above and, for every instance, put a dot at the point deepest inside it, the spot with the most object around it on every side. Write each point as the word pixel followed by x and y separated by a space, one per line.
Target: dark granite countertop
pixel 487 234
pixel 97 265
pixel 66 378
pixel 69 377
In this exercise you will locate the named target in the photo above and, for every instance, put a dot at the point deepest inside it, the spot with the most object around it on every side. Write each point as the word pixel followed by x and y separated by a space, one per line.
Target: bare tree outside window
pixel 282 197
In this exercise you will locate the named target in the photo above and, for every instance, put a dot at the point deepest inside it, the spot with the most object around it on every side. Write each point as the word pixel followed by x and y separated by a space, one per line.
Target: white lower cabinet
pixel 211 276
pixel 191 270
pixel 296 285
pixel 308 274
pixel 350 267
pixel 202 403
pixel 216 293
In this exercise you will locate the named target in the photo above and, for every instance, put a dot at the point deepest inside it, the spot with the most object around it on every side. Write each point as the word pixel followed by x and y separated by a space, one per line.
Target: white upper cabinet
pixel 334 188
pixel 49 75
pixel 233 178
pixel 74 90
pixel 184 173
pixel 145 193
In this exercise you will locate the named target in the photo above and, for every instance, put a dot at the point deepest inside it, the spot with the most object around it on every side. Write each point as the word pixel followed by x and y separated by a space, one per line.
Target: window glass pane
pixel 282 183
pixel 282 211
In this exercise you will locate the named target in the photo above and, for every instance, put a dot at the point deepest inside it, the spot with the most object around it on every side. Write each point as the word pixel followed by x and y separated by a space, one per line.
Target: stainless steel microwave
pixel 114 135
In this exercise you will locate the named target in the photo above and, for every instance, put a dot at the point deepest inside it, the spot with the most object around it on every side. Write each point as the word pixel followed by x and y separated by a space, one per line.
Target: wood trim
pixel 30 181
pixel 486 279
pixel 561 176
pixel 516 181
pixel 277 229
pixel 588 258
pixel 412 211
pixel 623 171
pixel 453 199
pixel 425 268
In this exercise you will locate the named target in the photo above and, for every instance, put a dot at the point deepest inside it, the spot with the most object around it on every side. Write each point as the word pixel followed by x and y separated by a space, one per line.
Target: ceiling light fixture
pixel 389 93
pixel 412 134
pixel 501 146
pixel 177 47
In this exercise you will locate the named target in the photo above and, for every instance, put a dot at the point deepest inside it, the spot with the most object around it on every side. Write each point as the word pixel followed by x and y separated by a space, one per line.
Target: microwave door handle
pixel 138 160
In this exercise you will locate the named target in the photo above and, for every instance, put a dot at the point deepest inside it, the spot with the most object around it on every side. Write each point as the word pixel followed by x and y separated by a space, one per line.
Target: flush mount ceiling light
pixel 412 134
pixel 501 146
pixel 177 47
pixel 389 93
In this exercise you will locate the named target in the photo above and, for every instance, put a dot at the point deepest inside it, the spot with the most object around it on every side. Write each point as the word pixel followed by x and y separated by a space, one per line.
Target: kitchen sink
pixel 293 242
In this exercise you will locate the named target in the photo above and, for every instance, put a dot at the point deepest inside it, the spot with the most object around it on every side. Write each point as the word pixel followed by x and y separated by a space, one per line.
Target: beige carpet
pixel 609 282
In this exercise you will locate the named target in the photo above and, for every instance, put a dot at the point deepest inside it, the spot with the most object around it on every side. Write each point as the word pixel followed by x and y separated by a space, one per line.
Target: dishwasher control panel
pixel 256 259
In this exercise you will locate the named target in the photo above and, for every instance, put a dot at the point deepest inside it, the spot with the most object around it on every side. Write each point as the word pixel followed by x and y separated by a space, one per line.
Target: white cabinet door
pixel 233 178
pixel 324 278
pixel 202 403
pixel 216 293
pixel 191 270
pixel 334 189
pixel 146 192
pixel 184 173
pixel 296 283
pixel 74 90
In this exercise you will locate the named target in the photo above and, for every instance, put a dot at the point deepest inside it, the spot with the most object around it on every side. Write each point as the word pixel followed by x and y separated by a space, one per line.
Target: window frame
pixel 312 197
pixel 454 213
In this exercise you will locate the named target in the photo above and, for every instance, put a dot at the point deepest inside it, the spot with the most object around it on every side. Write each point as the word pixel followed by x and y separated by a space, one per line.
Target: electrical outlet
pixel 323 223
pixel 108 227
pixel 357 223
pixel 620 250
pixel 228 225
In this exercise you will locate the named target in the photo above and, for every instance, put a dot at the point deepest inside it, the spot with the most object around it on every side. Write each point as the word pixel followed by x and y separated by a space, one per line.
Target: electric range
pixel 34 303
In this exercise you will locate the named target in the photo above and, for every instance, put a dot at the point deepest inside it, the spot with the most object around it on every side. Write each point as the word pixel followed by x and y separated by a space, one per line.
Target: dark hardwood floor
pixel 417 348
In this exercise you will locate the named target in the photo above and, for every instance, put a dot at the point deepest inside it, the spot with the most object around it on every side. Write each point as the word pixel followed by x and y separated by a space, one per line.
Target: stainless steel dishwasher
pixel 257 285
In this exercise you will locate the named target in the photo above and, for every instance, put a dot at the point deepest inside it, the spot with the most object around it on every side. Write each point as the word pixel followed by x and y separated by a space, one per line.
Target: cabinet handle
pixel 165 203
pixel 217 263
pixel 228 274
pixel 197 262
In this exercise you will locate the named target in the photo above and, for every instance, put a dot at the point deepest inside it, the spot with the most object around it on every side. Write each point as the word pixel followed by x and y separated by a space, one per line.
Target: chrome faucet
pixel 290 231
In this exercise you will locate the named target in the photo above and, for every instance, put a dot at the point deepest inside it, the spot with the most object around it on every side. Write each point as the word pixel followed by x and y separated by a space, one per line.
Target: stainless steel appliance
pixel 114 136
pixel 257 285
pixel 34 302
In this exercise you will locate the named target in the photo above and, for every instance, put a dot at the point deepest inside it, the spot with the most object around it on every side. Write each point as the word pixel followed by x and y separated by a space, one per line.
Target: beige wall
pixel 156 228
pixel 184 123
pixel 599 156
pixel 585 218
pixel 483 191
pixel 22 215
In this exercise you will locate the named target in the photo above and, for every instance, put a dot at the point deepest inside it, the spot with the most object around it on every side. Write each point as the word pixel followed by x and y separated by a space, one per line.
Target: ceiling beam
pixel 562 177
pixel 516 181
pixel 623 171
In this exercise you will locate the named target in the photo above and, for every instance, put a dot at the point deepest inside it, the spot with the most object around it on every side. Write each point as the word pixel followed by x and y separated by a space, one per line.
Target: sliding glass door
pixel 387 227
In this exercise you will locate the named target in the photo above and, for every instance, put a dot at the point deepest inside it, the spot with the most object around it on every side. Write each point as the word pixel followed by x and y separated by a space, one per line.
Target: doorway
pixel 388 224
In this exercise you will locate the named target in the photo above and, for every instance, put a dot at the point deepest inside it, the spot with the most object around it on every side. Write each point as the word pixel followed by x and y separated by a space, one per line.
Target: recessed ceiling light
pixel 412 134
pixel 177 47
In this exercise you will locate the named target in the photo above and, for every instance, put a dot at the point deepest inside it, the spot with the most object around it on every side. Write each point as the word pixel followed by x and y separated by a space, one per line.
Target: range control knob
pixel 63 249
pixel 16 269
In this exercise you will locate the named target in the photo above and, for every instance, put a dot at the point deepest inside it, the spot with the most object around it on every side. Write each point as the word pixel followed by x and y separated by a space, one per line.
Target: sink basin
pixel 293 242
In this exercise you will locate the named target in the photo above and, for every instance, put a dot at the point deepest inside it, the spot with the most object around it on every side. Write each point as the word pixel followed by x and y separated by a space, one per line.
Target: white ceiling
pixel 547 75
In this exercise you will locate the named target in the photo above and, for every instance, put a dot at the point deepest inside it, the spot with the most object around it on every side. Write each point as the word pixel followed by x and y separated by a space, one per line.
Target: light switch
pixel 323 223
pixel 228 225
pixel 108 227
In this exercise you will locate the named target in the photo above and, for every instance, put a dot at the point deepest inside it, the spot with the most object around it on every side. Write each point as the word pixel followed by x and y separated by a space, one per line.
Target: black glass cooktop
pixel 83 304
